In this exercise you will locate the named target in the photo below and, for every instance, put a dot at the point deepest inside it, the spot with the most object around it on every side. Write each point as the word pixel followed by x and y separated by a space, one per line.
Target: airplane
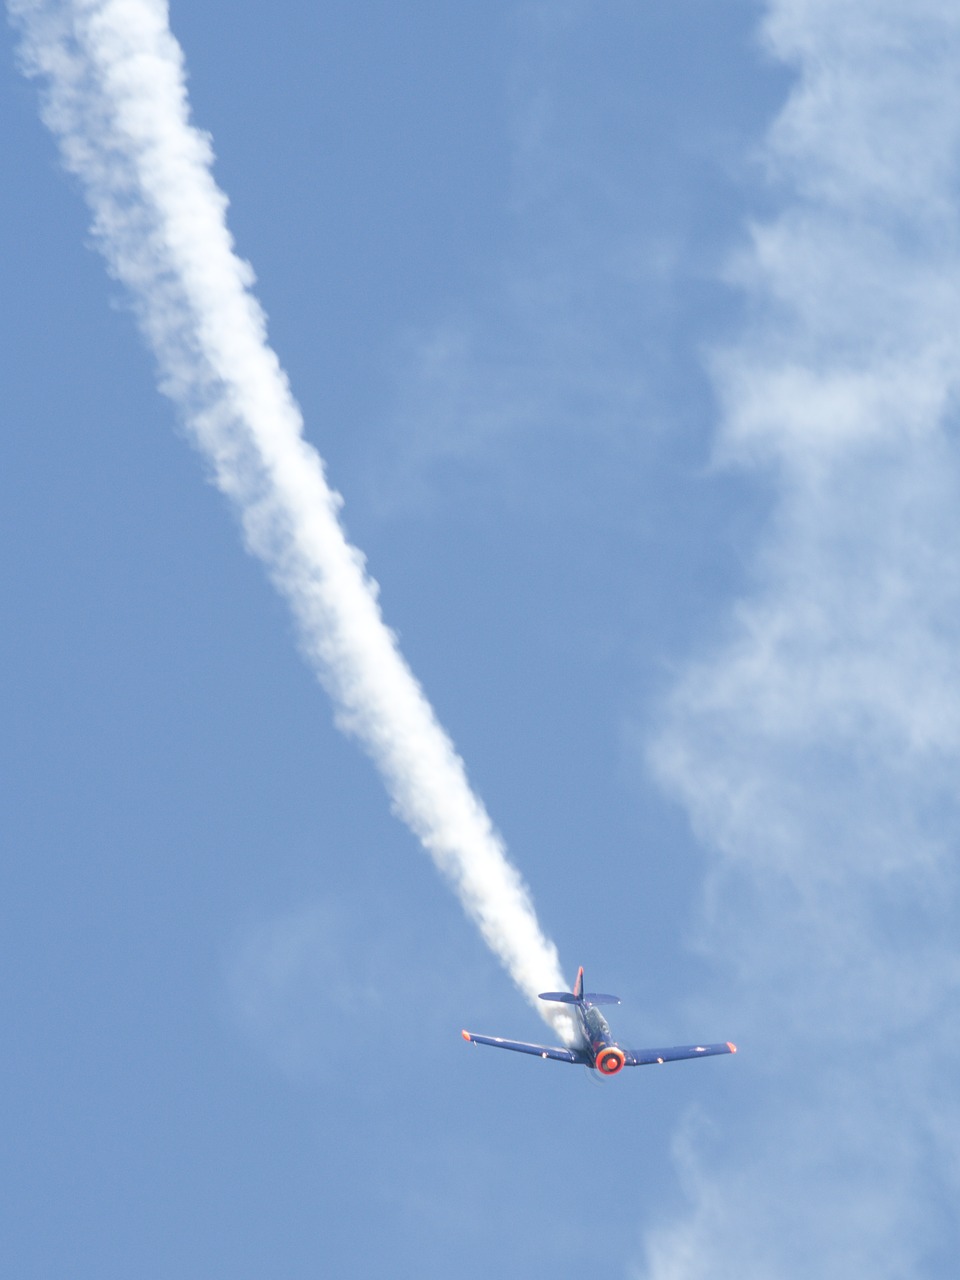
pixel 599 1051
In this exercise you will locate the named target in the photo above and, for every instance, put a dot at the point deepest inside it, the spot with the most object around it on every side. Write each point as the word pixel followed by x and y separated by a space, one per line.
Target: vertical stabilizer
pixel 578 985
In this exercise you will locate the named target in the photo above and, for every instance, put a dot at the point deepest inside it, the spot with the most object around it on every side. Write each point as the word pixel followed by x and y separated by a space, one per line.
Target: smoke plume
pixel 114 94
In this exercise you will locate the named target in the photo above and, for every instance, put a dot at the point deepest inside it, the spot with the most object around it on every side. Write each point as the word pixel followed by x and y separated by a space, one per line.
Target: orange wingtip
pixel 465 1034
pixel 731 1047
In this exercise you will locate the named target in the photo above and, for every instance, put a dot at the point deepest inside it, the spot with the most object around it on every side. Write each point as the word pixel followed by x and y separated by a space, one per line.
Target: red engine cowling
pixel 610 1060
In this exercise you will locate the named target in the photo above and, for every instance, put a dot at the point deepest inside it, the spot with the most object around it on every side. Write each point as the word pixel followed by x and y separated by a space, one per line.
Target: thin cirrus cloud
pixel 816 745
pixel 114 94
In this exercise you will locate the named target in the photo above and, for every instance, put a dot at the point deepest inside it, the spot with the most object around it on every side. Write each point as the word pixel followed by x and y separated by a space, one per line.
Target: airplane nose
pixel 610 1061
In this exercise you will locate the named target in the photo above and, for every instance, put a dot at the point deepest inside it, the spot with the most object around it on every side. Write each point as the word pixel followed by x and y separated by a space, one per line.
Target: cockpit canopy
pixel 596 1024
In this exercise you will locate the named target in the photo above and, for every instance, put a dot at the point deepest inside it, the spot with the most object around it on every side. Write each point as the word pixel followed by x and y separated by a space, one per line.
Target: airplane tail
pixel 577 995
pixel 567 997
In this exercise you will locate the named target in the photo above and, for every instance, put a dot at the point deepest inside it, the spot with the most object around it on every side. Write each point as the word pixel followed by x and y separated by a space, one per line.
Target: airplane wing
pixel 539 1050
pixel 647 1057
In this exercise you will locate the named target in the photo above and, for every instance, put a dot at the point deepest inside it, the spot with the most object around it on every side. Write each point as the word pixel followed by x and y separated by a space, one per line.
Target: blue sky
pixel 628 335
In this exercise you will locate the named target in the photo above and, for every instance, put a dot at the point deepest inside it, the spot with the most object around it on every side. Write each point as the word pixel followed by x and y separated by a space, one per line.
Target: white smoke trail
pixel 114 94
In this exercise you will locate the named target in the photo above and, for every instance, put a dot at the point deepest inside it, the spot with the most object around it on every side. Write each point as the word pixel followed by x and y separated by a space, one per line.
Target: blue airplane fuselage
pixel 607 1055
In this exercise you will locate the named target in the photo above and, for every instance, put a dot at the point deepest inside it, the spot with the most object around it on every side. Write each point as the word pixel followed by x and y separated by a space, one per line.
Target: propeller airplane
pixel 598 1049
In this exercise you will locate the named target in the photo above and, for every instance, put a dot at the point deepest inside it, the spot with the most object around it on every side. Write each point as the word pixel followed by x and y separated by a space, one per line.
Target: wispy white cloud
pixel 816 745
pixel 114 94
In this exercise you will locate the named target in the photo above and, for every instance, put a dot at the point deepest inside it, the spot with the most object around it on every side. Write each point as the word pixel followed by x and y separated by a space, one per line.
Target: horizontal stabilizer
pixel 597 997
pixel 565 997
